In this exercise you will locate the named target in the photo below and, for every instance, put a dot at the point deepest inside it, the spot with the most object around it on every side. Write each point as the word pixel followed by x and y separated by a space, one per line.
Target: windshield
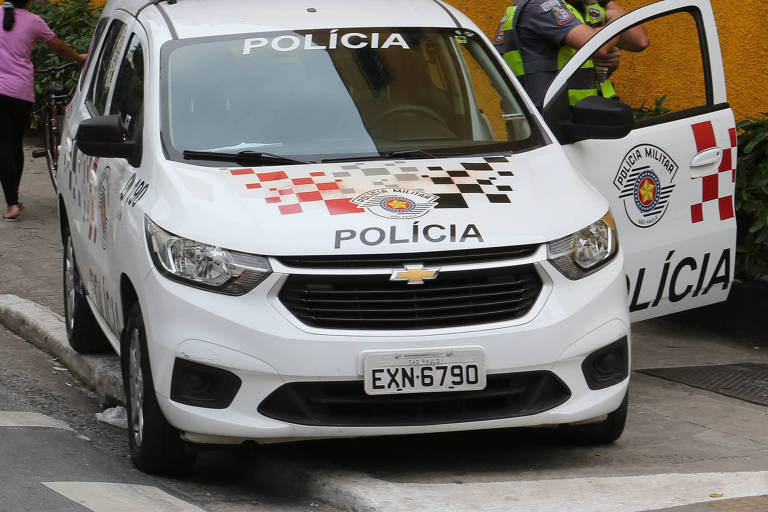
pixel 340 94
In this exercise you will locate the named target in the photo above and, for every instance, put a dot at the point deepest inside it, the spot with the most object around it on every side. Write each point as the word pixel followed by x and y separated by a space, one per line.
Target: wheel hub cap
pixel 136 388
pixel 69 284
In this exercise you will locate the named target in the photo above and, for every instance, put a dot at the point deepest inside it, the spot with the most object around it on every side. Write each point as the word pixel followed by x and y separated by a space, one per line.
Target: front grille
pixel 346 404
pixel 431 259
pixel 454 299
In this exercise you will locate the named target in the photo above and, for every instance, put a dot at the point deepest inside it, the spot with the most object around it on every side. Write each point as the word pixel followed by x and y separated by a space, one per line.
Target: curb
pixel 283 473
pixel 45 329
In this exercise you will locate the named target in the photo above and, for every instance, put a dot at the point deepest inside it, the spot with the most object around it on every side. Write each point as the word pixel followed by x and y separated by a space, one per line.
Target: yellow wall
pixel 743 40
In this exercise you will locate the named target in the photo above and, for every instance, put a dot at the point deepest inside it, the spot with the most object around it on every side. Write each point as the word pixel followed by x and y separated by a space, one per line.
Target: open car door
pixel 671 180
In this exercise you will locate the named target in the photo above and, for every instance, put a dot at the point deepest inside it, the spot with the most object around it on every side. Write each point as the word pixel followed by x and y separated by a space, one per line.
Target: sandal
pixel 14 218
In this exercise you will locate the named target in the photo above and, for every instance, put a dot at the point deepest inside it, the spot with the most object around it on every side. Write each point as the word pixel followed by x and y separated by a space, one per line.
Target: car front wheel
pixel 602 432
pixel 156 446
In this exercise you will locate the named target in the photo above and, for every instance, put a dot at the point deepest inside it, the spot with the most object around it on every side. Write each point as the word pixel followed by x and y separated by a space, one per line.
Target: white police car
pixel 343 219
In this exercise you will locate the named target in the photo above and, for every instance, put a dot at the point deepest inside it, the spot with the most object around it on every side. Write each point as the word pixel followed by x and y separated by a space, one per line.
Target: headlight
pixel 202 265
pixel 587 250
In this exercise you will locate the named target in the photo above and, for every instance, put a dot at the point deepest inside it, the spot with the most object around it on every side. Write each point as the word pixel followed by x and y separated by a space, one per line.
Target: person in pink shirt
pixel 19 32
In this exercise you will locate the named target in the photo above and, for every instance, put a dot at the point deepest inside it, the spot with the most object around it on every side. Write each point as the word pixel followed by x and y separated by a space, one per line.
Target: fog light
pixel 196 383
pixel 607 366
pixel 201 385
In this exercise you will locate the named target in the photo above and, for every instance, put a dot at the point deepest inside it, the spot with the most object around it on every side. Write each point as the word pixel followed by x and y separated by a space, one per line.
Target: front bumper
pixel 256 339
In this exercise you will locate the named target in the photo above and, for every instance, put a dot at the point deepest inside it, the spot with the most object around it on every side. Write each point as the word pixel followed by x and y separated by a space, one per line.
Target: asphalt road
pixel 685 449
pixel 56 456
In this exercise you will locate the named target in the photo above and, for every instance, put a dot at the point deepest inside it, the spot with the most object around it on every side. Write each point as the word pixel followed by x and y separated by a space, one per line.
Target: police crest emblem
pixel 561 13
pixel 645 182
pixel 595 15
pixel 397 203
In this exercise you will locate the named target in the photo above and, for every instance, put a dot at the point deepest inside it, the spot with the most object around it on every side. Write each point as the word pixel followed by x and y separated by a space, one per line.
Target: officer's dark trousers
pixel 14 119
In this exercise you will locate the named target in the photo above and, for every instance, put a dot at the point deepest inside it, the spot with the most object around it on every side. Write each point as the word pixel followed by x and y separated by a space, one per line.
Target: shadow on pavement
pixel 743 317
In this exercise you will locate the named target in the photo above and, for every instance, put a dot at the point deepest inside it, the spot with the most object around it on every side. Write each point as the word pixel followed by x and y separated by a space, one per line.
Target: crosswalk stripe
pixel 111 497
pixel 30 419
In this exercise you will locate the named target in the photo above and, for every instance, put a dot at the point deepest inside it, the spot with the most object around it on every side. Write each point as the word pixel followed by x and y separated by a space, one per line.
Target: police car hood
pixel 379 206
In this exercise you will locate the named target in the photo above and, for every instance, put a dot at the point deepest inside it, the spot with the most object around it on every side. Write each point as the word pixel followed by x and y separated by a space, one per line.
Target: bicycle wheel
pixel 51 142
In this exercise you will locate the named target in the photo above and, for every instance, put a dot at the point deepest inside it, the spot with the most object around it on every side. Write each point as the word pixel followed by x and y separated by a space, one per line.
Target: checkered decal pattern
pixel 333 191
pixel 716 189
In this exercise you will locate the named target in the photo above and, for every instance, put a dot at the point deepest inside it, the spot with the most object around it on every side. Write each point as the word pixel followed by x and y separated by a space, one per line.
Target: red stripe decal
pixel 726 164
pixel 254 185
pixel 709 186
pixel 305 197
pixel 341 207
pixel 273 176
pixel 734 140
pixel 704 135
pixel 288 209
pixel 726 207
pixel 241 172
pixel 328 186
pixel 697 213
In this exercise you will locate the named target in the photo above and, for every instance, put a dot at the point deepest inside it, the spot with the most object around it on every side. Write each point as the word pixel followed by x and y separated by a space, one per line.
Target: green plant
pixel 752 197
pixel 73 21
pixel 643 112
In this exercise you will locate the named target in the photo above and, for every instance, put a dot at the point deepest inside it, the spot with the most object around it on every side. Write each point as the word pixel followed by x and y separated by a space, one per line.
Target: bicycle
pixel 51 114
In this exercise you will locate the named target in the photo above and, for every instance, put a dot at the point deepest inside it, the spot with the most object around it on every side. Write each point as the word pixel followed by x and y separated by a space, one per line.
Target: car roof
pixel 197 18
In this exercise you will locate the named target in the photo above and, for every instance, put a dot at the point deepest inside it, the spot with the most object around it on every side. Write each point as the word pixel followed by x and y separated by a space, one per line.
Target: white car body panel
pixel 553 191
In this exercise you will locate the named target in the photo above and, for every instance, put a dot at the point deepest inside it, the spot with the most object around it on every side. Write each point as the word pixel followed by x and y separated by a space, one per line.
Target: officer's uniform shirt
pixel 541 28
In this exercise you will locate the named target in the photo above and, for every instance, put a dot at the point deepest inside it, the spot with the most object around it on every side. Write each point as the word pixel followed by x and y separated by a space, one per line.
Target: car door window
pixel 92 48
pixel 667 77
pixel 671 79
pixel 128 98
pixel 106 66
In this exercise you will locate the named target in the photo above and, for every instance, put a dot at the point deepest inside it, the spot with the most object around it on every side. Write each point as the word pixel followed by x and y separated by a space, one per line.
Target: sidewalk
pixel 30 250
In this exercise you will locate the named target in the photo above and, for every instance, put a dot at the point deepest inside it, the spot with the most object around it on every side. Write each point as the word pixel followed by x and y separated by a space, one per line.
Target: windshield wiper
pixel 244 157
pixel 412 153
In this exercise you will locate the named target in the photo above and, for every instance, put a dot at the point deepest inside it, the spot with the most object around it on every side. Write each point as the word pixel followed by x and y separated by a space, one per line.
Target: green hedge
pixel 752 197
pixel 73 21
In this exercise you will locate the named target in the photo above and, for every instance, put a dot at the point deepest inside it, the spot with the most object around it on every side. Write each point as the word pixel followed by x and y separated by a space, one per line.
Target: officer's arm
pixel 634 39
pixel 580 34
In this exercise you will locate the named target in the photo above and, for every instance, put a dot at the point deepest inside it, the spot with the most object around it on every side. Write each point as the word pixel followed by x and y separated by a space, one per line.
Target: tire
pixel 83 332
pixel 604 432
pixel 156 446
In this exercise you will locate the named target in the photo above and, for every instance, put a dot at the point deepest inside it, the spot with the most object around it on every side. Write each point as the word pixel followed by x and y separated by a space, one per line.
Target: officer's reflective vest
pixel 583 83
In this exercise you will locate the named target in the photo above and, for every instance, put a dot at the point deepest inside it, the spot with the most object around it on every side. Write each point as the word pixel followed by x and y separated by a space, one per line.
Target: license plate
pixel 424 372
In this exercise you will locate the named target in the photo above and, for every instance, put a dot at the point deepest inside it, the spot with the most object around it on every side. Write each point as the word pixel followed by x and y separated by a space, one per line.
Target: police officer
pixel 538 37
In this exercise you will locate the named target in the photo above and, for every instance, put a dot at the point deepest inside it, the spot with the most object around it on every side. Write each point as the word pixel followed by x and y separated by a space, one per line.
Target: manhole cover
pixel 747 381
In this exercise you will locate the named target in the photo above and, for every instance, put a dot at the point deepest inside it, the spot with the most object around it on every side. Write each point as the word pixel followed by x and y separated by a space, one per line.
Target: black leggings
pixel 14 119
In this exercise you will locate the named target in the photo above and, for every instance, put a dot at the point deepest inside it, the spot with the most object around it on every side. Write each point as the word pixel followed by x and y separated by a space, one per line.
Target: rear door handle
pixel 702 163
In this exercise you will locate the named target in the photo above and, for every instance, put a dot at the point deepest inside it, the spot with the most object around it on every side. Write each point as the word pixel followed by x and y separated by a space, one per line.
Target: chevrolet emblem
pixel 414 274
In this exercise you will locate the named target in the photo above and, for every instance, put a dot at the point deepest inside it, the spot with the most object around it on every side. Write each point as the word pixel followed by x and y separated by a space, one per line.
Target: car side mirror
pixel 596 117
pixel 104 136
